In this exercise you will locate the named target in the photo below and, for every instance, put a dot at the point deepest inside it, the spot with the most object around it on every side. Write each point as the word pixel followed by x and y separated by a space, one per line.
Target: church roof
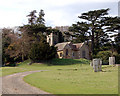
pixel 78 45
pixel 61 46
pixel 75 47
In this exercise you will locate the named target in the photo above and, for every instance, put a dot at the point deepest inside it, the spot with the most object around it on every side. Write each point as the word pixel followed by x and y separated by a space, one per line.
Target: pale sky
pixel 57 12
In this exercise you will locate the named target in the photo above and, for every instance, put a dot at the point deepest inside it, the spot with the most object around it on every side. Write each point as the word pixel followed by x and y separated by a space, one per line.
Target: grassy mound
pixel 57 61
pixel 24 66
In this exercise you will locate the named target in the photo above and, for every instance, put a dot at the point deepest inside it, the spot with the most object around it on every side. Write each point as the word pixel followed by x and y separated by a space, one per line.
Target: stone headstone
pixel 111 60
pixel 100 65
pixel 97 65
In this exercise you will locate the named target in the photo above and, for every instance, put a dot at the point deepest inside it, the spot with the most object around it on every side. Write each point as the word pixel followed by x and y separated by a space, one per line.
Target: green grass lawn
pixel 76 79
pixel 23 66
pixel 69 77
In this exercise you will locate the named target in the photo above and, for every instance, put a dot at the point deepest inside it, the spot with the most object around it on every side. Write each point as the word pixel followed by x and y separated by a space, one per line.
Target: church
pixel 69 50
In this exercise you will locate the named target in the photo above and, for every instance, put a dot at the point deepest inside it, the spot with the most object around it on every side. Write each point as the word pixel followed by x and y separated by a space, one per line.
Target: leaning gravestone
pixel 111 60
pixel 97 65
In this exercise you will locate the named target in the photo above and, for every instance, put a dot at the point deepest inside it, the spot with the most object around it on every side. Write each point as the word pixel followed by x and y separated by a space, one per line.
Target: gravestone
pixel 111 60
pixel 100 65
pixel 97 65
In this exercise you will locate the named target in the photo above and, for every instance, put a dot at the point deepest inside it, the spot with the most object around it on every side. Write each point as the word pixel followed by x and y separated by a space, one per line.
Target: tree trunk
pixel 92 45
pixel 22 57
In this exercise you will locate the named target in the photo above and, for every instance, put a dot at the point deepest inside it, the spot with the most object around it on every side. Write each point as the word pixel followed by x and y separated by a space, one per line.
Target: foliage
pixel 117 58
pixel 32 17
pixel 8 37
pixel 15 48
pixel 40 19
pixel 67 36
pixel 68 61
pixel 56 32
pixel 79 30
pixel 106 47
pixel 18 45
pixel 35 28
pixel 61 37
pixel 117 41
pixel 95 28
pixel 104 55
pixel 42 51
pixel 34 31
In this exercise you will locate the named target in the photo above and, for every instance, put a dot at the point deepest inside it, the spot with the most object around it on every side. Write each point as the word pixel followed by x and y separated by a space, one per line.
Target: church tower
pixel 53 39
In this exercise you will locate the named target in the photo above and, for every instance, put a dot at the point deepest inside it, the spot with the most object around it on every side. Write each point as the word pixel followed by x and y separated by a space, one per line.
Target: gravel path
pixel 14 84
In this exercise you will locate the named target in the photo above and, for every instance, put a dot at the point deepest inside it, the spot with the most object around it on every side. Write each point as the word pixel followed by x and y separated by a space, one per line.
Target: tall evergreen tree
pixel 36 32
pixel 32 17
pixel 93 18
pixel 117 40
pixel 40 19
pixel 80 31
pixel 96 26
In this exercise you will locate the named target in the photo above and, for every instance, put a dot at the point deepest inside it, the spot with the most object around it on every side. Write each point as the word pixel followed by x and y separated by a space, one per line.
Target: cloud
pixel 67 15
pixel 57 12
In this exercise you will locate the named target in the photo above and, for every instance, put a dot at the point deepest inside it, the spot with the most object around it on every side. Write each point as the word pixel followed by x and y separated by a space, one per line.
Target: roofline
pixel 59 50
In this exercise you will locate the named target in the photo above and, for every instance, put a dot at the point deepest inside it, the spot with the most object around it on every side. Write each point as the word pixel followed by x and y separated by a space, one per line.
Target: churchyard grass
pixel 24 66
pixel 76 79
pixel 69 77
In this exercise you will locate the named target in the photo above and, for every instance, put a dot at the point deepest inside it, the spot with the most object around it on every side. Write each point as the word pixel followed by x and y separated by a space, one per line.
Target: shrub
pixel 117 58
pixel 104 55
pixel 42 51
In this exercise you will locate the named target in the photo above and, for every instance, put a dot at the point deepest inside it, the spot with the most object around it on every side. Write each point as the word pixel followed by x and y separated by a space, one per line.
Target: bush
pixel 117 58
pixel 104 55
pixel 42 51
